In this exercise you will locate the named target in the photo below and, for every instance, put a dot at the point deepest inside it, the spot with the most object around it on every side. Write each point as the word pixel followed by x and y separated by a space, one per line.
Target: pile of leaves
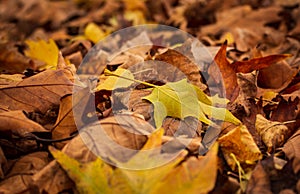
pixel 244 139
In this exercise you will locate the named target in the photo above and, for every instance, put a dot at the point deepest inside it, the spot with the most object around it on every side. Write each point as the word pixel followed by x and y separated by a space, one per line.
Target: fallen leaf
pixel 29 164
pixel 45 89
pixel 3 164
pixel 272 133
pixel 259 181
pixel 122 78
pixel 183 64
pixel 11 60
pixel 239 142
pixel 257 63
pixel 94 33
pixel 196 175
pixel 43 51
pixel 291 148
pixel 52 179
pixel 21 183
pixel 15 122
pixel 94 177
pixel 65 124
pixel 180 100
pixel 222 72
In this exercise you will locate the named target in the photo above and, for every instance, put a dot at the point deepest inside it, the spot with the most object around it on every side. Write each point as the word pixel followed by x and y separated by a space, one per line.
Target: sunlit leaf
pixel 240 143
pixel 94 33
pixel 43 51
pixel 113 82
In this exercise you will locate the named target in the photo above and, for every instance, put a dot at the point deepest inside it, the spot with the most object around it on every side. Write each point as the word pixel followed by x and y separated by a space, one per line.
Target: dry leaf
pixel 43 51
pixel 239 142
pixel 227 75
pixel 29 164
pixel 44 89
pixel 11 60
pixel 291 149
pixel 18 184
pixel 65 124
pixel 272 133
pixel 3 164
pixel 259 181
pixel 15 122
pixel 183 64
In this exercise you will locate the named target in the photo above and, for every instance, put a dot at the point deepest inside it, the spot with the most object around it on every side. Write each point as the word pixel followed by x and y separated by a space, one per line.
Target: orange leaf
pixel 228 73
pixel 257 63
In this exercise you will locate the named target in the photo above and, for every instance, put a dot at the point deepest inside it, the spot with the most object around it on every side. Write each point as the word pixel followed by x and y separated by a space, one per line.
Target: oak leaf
pixel 272 133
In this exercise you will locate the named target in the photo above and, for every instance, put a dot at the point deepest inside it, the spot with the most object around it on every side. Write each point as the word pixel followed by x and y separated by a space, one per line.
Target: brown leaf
pixel 18 184
pixel 257 63
pixel 272 133
pixel 65 124
pixel 139 106
pixel 105 137
pixel 291 149
pixel 259 181
pixel 37 93
pixel 11 60
pixel 182 63
pixel 52 179
pixel 3 164
pixel 277 76
pixel 17 123
pixel 228 75
pixel 29 164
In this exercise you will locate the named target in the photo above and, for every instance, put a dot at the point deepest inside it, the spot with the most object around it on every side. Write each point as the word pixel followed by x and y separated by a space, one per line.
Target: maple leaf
pixel 43 51
pixel 181 99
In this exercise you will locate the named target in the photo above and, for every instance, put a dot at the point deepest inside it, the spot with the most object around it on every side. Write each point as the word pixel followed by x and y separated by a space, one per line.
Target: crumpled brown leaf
pixel 11 60
pixel 20 174
pixel 3 164
pixel 44 89
pixel 272 133
pixel 21 183
pixel 15 122
pixel 291 149
pixel 259 181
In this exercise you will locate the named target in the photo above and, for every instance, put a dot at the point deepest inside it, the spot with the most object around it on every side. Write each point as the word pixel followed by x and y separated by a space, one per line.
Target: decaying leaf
pixel 272 133
pixel 259 181
pixel 291 149
pixel 43 51
pixel 15 122
pixel 21 183
pixel 65 124
pixel 44 89
pixel 239 142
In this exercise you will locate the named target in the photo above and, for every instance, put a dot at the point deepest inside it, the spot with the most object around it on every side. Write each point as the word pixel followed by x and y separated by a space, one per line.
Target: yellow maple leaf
pixel 43 51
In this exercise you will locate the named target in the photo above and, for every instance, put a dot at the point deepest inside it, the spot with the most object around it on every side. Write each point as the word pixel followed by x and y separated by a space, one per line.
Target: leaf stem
pixel 134 80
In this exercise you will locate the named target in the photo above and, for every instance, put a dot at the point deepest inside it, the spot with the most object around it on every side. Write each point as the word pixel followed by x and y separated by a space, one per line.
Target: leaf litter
pixel 255 49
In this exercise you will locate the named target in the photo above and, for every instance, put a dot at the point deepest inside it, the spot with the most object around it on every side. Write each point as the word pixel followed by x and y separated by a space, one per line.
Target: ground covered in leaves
pixel 230 125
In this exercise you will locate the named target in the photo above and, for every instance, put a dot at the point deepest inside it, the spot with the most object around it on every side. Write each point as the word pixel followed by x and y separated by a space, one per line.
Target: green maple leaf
pixel 182 99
